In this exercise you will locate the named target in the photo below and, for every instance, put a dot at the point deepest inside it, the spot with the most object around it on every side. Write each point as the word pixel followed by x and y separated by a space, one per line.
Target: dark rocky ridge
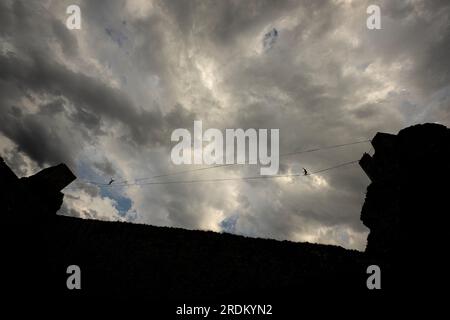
pixel 408 192
pixel 406 205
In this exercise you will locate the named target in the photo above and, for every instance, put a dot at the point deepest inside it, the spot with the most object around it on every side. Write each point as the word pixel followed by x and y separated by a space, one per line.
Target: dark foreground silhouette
pixel 405 208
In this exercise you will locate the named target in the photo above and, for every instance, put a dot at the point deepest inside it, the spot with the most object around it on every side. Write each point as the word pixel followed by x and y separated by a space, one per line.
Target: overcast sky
pixel 105 100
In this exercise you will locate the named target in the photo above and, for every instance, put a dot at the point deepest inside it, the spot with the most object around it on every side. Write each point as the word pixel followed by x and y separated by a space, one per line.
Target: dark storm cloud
pixel 227 20
pixel 433 68
pixel 417 32
pixel 33 137
pixel 116 89
pixel 52 108
pixel 94 98
pixel 37 71
pixel 318 114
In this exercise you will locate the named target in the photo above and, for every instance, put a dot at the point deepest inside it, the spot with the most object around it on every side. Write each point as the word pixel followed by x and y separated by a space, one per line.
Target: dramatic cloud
pixel 105 100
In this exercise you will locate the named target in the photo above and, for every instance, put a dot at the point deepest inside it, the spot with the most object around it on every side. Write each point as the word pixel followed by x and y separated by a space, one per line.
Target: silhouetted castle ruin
pixel 404 209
